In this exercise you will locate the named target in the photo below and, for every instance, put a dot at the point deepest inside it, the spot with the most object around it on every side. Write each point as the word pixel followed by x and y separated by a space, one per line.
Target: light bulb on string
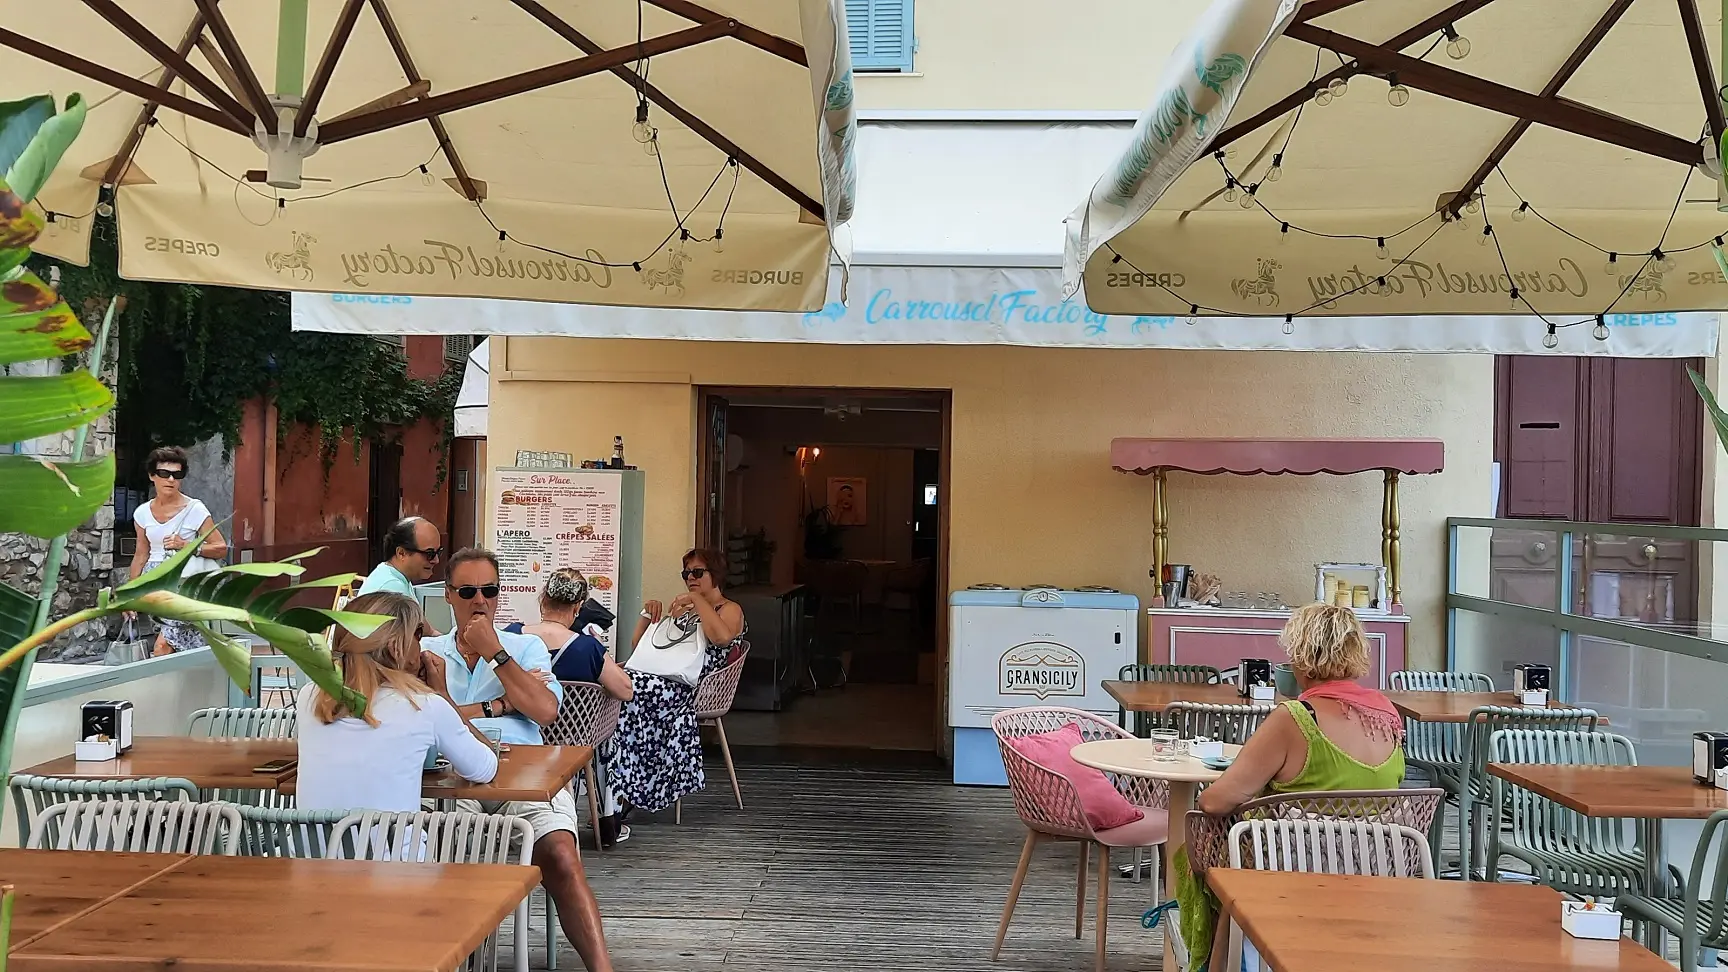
pixel 683 238
pixel 1323 97
pixel 1600 331
pixel 1381 251
pixel 642 131
pixel 1473 206
pixel 502 236
pixel 1663 261
pixel 425 176
pixel 1523 210
pixel 1283 234
pixel 1514 296
pixel 1277 171
pixel 1487 234
pixel 1457 45
pixel 1612 267
pixel 104 209
pixel 1397 94
pixel 1247 199
pixel 1338 87
pixel 719 239
pixel 1289 324
pixel 1551 340
pixel 1193 314
pixel 651 147
pixel 1230 191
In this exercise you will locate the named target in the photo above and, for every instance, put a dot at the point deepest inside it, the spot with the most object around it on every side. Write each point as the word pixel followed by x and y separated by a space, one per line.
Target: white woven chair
pixel 714 696
pixel 444 838
pixel 156 826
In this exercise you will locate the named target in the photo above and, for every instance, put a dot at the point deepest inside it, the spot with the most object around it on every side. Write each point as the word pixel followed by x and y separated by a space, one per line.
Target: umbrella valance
pixel 1343 157
pixel 641 152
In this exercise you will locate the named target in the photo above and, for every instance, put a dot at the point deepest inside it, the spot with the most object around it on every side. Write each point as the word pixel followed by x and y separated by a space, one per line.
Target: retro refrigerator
pixel 1041 646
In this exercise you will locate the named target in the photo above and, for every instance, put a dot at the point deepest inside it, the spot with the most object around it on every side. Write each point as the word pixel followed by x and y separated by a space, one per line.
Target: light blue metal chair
pixel 32 796
pixel 1700 922
pixel 1225 723
pixel 1566 850
pixel 288 832
pixel 242 723
pixel 1145 722
pixel 150 826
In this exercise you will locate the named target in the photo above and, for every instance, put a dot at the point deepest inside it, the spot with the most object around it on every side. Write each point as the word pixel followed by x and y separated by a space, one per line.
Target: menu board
pixel 547 519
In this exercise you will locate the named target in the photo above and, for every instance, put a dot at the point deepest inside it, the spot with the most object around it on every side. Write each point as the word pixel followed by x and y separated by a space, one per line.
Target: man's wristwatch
pixel 500 658
pixel 486 708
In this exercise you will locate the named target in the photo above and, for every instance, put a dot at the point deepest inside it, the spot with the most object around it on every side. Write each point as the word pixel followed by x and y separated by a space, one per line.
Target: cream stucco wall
pixel 1032 495
pixel 1026 54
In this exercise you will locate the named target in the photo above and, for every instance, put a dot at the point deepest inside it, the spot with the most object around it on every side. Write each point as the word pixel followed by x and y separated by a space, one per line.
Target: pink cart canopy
pixel 1277 457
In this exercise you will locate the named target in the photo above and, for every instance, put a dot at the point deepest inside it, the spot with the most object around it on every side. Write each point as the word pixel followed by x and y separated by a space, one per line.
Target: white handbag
pixel 197 564
pixel 673 648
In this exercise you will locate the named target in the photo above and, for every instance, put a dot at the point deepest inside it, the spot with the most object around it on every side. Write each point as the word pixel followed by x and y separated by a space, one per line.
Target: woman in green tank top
pixel 1336 736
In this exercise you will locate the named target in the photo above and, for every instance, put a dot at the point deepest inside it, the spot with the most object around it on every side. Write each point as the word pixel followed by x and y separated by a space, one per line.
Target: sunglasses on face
pixel 467 591
pixel 693 573
pixel 168 473
pixel 430 554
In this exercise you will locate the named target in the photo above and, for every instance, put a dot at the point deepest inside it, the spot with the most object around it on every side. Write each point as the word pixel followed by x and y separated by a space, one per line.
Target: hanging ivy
pixel 193 356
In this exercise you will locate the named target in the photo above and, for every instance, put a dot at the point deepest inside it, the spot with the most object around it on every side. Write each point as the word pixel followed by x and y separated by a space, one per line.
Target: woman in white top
pixel 375 761
pixel 166 524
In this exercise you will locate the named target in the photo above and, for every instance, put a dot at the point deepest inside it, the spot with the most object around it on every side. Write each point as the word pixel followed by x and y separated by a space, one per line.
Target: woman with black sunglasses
pixel 165 525
pixel 657 750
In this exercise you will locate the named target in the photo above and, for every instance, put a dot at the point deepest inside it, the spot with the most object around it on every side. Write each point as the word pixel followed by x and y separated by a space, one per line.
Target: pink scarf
pixel 1369 707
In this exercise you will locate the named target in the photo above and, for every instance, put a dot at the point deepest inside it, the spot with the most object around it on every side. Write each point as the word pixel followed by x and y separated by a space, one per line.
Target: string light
pixel 1612 267
pixel 719 240
pixel 1487 234
pixel 643 131
pixel 1247 200
pixel 1457 45
pixel 1521 212
pixel 1277 171
pixel 1337 87
pixel 1514 295
pixel 1193 313
pixel 1284 234
pixel 1474 205
pixel 502 236
pixel 425 176
pixel 1289 323
pixel 1323 96
pixel 104 208
pixel 1230 190
pixel 1663 260
pixel 1551 340
pixel 1600 331
pixel 1381 251
pixel 1397 94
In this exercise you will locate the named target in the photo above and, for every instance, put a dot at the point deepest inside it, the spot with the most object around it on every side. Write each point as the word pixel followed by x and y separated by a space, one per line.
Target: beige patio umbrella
pixel 1408 157
pixel 642 152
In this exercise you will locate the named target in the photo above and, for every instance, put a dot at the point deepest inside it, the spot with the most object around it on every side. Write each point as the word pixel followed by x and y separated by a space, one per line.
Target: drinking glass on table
pixel 1164 745
pixel 495 737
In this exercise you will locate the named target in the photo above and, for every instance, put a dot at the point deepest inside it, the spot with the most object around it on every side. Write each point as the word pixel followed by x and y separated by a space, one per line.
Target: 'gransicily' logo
pixel 454 261
pixel 1043 669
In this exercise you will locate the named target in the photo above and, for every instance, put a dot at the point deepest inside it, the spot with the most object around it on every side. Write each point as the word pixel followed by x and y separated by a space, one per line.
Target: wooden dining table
pixel 221 763
pixel 1305 922
pixel 531 774
pixel 1157 696
pixel 104 910
pixel 1456 706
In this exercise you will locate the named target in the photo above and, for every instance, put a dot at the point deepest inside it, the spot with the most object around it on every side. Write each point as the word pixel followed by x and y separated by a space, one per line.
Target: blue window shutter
pixel 880 34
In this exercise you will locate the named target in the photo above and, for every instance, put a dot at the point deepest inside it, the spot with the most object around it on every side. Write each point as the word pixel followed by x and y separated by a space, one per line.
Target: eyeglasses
pixel 467 591
pixel 168 473
pixel 694 573
pixel 431 554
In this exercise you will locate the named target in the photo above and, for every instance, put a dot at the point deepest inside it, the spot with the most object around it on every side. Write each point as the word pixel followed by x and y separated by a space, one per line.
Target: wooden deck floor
pixel 834 868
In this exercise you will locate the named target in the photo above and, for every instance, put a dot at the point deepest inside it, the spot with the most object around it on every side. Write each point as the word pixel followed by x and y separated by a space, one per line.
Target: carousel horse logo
pixel 1649 283
pixel 670 279
pixel 297 262
pixel 1043 669
pixel 1262 290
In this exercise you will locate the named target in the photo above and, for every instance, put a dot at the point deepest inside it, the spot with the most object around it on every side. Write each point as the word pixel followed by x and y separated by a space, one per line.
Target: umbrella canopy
pixel 638 152
pixel 1408 157
pixel 474 398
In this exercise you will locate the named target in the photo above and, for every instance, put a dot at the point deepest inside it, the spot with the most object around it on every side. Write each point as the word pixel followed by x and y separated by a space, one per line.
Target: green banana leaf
pixel 1718 418
pixel 29 171
pixel 37 406
pixel 19 122
pixel 45 499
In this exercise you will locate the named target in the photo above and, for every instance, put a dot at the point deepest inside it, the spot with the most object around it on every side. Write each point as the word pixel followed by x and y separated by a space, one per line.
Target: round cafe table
pixel 1133 757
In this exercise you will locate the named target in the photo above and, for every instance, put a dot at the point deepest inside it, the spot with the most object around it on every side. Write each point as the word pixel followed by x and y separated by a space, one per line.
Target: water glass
pixel 1164 745
pixel 495 737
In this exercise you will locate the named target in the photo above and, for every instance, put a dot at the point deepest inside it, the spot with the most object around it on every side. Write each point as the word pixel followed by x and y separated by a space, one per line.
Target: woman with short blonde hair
pixel 1325 643
pixel 375 760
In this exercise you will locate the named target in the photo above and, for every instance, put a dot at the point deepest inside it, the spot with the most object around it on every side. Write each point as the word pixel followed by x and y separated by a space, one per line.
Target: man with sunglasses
pixel 412 548
pixel 502 683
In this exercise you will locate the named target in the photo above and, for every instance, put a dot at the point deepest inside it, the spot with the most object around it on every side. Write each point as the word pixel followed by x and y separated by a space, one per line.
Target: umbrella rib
pixel 1315 9
pixel 1573 62
pixel 1482 93
pixel 1452 14
pixel 172 61
pixel 123 159
pixel 115 79
pixel 772 43
pixel 563 29
pixel 470 189
pixel 522 83
pixel 230 47
pixel 1701 66
pixel 326 65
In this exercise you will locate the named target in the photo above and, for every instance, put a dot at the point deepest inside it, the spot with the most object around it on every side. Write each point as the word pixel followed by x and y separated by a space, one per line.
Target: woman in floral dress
pixel 657 750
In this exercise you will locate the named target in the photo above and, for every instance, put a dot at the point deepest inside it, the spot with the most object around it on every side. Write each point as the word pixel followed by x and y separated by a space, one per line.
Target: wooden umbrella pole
pixel 1389 553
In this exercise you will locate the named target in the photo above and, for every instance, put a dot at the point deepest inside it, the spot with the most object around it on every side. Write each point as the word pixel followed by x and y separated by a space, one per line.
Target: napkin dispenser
pixel 1583 919
pixel 1203 748
pixel 1709 754
pixel 1529 678
pixel 1255 671
pixel 110 720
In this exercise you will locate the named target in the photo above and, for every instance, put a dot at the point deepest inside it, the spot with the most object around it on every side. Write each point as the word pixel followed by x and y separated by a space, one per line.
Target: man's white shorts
pixel 545 818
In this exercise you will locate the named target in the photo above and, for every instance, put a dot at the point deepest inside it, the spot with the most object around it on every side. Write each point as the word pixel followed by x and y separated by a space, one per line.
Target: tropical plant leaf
pixel 29 172
pixel 304 555
pixel 37 406
pixel 175 606
pixel 34 322
pixel 45 499
pixel 234 656
pixel 271 602
pixel 19 122
pixel 309 653
pixel 222 587
pixel 318 619
pixel 1718 418
pixel 165 576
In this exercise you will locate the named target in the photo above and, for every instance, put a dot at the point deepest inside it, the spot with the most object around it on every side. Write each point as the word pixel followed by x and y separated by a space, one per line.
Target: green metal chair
pixel 1467 781
pixel 242 723
pixel 1697 921
pixel 151 826
pixel 1225 723
pixel 1430 745
pixel 1566 850
pixel 33 795
pixel 287 832
pixel 1145 722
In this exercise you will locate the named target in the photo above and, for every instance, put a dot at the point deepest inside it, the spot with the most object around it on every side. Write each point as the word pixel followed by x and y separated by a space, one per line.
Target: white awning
pixel 475 393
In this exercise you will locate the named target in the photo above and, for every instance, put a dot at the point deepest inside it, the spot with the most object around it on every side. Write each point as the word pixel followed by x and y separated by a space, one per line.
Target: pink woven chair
pixel 713 701
pixel 1050 808
pixel 587 716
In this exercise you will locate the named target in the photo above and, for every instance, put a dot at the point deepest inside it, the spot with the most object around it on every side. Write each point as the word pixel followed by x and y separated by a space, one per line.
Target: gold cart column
pixel 1389 539
pixel 1160 534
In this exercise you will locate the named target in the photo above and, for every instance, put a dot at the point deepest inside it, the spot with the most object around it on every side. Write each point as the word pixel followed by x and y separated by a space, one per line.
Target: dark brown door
pixel 384 505
pixel 711 474
pixel 1601 440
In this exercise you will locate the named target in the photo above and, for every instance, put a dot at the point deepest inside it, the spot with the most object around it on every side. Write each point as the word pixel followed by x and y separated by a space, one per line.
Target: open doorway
pixel 830 505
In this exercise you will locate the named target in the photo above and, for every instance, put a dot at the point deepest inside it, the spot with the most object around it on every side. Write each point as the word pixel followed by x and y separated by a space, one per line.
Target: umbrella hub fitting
pixel 283 152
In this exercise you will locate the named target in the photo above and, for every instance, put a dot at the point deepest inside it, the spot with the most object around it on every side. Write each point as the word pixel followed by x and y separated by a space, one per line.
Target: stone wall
pixel 90 560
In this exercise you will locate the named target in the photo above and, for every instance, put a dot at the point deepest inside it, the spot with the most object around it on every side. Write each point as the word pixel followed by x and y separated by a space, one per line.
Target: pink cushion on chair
pixel 1105 808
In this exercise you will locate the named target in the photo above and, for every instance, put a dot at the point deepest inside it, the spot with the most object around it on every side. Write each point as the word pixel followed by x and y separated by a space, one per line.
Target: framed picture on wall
pixel 847 500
